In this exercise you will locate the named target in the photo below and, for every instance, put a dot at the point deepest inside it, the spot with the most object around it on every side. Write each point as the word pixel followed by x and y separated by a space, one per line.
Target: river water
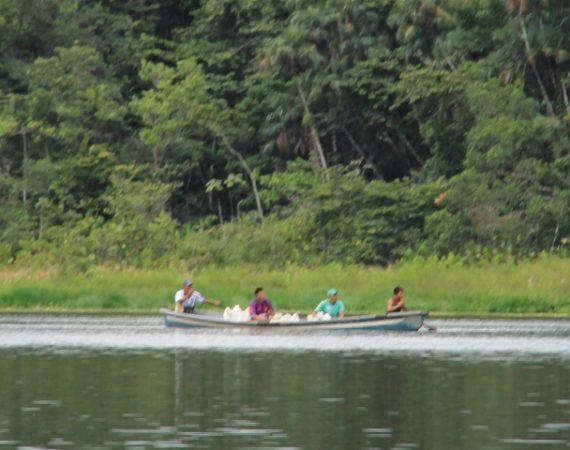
pixel 128 382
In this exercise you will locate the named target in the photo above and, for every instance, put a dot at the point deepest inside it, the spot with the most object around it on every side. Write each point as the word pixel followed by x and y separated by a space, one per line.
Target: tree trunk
pixel 210 200
pixel 41 231
pixel 155 158
pixel 238 210
pixel 549 108
pixel 399 151
pixel 249 172
pixel 24 160
pixel 220 215
pixel 231 207
pixel 565 95
pixel 335 149
pixel 186 189
pixel 552 247
pixel 314 134
pixel 407 144
pixel 357 147
pixel 298 146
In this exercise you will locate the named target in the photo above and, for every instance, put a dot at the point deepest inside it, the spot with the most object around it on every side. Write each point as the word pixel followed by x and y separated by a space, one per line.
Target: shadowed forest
pixel 270 132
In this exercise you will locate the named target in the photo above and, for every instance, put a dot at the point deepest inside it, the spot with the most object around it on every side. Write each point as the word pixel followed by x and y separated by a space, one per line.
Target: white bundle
pixel 236 314
pixel 285 318
pixel 319 316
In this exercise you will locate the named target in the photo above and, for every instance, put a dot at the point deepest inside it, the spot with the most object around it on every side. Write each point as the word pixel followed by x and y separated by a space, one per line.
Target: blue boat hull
pixel 405 321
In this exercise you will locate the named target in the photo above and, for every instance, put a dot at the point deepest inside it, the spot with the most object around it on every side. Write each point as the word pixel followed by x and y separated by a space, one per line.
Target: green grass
pixel 535 286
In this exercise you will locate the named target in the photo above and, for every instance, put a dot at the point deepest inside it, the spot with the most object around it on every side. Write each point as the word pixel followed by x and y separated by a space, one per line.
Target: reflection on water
pixel 99 395
pixel 214 400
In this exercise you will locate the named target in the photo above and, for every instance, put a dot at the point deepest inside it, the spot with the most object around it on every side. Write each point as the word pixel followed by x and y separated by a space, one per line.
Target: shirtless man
pixel 396 302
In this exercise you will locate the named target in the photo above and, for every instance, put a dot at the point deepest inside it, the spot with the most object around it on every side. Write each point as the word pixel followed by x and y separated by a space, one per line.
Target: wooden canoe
pixel 404 321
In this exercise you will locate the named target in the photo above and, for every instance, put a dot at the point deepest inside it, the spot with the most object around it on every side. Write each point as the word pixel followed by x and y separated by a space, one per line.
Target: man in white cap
pixel 186 298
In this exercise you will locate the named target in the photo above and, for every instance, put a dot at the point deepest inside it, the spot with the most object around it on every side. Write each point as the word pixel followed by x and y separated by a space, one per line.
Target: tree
pixel 311 58
pixel 179 107
pixel 74 99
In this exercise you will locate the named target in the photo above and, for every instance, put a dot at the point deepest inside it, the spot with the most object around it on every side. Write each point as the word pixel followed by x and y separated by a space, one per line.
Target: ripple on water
pixel 174 443
pixel 59 442
pixel 531 404
pixel 331 400
pixel 250 412
pixel 137 443
pixel 159 430
pixel 235 431
pixel 381 433
pixel 377 430
pixel 243 423
pixel 269 448
pixel 29 409
pixel 542 431
pixel 533 441
pixel 557 426
pixel 193 414
pixel 30 448
pixel 195 435
pixel 47 402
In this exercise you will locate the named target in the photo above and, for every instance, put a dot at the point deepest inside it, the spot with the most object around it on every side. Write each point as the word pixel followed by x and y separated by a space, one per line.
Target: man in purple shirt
pixel 260 308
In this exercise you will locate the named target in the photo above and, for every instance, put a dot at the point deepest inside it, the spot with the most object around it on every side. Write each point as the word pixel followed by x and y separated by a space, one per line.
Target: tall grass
pixel 534 286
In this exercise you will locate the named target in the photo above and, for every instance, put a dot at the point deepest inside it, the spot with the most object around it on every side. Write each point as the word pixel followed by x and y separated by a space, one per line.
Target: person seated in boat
pixel 185 299
pixel 331 305
pixel 261 309
pixel 396 303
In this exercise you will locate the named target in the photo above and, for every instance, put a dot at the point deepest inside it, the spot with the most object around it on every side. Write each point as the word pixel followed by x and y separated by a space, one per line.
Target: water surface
pixel 127 382
pixel 490 337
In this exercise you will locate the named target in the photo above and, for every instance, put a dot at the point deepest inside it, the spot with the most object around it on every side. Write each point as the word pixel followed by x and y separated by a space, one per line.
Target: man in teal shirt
pixel 331 306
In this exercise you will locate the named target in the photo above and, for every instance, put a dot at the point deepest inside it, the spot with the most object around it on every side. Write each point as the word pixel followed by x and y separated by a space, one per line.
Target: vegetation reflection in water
pixel 311 400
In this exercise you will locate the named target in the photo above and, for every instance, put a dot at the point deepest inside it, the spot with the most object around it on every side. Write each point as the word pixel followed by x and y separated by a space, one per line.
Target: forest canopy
pixel 136 132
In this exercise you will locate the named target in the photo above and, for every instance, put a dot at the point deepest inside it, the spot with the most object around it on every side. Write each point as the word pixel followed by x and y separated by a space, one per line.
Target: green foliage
pixel 358 132
pixel 372 223
pixel 74 99
pixel 140 231
pixel 512 194
pixel 170 110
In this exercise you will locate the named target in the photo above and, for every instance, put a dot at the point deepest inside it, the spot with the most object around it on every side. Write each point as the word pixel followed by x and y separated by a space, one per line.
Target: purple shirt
pixel 257 308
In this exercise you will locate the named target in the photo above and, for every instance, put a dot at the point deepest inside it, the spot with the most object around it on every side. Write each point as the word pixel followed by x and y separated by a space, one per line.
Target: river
pixel 128 382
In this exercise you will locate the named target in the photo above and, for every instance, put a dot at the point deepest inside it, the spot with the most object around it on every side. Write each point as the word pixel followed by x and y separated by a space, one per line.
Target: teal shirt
pixel 327 307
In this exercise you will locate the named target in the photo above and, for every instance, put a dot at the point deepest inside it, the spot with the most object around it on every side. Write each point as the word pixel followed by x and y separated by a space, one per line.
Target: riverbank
pixel 87 312
pixel 538 287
